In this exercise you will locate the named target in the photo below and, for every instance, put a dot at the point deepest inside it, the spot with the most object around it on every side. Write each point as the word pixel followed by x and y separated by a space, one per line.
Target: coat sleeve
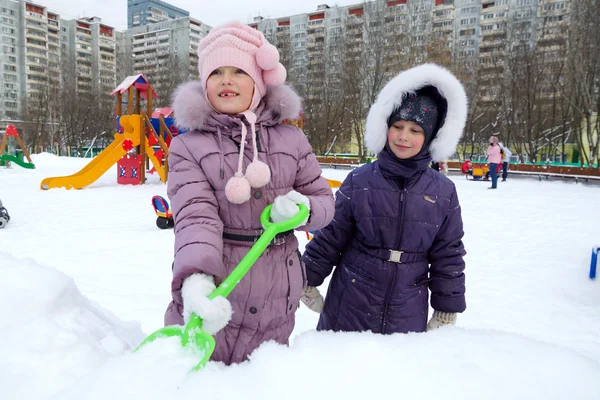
pixel 310 183
pixel 324 251
pixel 198 228
pixel 447 264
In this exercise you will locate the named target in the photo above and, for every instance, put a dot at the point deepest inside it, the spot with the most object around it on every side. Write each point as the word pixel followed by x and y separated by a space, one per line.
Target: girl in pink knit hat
pixel 235 160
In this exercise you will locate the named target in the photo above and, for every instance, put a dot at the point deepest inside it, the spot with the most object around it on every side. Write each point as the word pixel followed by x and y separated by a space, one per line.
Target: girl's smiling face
pixel 406 138
pixel 230 90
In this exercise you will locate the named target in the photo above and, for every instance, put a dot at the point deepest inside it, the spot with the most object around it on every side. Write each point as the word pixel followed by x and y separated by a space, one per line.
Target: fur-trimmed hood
pixel 192 109
pixel 394 92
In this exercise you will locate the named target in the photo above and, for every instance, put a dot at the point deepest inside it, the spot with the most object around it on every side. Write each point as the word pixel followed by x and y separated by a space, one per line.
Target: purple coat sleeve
pixel 447 265
pixel 323 252
pixel 310 183
pixel 198 228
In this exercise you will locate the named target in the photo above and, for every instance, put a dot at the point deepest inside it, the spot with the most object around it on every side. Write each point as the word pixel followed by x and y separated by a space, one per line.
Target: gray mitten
pixel 312 298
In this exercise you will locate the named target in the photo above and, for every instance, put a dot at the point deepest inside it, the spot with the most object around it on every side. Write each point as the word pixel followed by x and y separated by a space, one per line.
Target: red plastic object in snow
pixel 128 170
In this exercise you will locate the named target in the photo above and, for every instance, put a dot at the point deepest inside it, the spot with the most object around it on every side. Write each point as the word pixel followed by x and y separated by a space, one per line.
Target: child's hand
pixel 440 318
pixel 286 206
pixel 312 298
pixel 215 313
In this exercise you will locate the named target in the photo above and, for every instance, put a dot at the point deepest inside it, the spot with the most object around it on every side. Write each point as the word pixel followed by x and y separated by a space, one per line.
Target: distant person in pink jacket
pixel 236 159
pixel 494 158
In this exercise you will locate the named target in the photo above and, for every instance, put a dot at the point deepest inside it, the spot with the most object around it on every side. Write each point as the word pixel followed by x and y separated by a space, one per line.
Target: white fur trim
pixel 390 98
pixel 215 313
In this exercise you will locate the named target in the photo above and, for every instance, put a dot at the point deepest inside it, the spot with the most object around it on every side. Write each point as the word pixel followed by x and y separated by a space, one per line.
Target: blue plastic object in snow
pixel 594 262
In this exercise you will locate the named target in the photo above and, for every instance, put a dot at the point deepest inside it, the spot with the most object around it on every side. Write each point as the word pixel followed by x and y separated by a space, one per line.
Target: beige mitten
pixel 440 318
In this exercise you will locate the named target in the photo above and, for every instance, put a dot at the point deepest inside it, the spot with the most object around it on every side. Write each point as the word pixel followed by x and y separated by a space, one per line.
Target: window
pixel 469 10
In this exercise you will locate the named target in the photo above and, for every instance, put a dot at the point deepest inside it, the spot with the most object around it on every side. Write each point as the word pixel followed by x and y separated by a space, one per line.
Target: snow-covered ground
pixel 85 276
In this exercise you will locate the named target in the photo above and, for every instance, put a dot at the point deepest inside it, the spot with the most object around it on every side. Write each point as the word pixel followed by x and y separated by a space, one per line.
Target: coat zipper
pixel 393 280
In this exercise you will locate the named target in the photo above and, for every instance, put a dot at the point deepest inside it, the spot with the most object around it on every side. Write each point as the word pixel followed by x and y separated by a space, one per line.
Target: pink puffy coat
pixel 201 162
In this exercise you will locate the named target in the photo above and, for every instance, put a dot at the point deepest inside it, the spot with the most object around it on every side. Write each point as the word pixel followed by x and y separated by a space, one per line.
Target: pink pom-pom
pixel 275 76
pixel 237 190
pixel 258 174
pixel 267 56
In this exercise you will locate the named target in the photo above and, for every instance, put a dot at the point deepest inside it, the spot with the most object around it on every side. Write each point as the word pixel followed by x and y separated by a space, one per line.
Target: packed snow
pixel 85 276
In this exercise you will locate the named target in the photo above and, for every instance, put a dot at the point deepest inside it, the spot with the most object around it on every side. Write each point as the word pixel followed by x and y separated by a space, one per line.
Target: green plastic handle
pixel 271 230
pixel 192 334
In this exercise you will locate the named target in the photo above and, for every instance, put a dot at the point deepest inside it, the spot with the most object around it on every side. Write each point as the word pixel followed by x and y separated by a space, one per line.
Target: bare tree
pixel 584 75
pixel 326 113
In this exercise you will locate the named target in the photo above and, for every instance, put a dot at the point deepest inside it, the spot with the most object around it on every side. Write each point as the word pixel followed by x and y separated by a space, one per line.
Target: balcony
pixel 487 5
pixel 35 16
pixel 37 33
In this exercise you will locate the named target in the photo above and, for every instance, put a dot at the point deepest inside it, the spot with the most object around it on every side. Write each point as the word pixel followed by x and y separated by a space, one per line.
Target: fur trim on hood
pixel 192 108
pixel 394 92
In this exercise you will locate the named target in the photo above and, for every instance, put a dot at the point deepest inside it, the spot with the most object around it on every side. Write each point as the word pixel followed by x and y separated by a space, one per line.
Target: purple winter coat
pixel 265 301
pixel 420 217
pixel 399 205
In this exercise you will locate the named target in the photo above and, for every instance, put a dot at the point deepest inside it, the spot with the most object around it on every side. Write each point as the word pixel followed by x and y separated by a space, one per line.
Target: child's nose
pixel 402 133
pixel 227 78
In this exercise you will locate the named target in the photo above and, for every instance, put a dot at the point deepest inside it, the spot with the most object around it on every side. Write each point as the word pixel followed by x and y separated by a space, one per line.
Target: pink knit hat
pixel 237 45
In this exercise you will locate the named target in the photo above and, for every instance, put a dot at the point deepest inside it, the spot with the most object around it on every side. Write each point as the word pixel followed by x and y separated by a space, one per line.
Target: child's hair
pixel 237 45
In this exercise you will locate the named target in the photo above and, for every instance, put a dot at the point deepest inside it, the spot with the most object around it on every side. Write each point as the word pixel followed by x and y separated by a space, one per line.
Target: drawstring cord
pixel 221 156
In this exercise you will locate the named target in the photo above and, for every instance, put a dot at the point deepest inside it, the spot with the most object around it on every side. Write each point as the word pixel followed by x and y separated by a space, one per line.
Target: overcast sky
pixel 211 12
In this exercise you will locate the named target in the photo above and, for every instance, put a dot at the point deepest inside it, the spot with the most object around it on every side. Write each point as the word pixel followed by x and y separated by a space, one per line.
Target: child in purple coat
pixel 236 159
pixel 397 231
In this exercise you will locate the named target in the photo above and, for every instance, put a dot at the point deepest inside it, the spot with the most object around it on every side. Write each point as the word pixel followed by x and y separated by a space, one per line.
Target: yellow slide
pixel 106 159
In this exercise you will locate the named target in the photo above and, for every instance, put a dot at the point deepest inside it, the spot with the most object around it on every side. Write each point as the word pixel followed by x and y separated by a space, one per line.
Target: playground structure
pixel 12 135
pixel 132 149
pixel 477 171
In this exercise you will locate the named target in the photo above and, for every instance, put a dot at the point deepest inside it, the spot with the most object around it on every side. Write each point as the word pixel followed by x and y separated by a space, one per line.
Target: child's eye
pixel 215 72
pixel 240 71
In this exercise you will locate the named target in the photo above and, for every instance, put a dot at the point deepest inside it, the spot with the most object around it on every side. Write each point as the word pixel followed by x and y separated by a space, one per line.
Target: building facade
pixel 165 52
pixel 143 12
pixel 89 51
pixel 41 51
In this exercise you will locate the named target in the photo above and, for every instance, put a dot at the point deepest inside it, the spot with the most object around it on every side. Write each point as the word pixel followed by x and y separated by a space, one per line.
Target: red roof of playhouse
pixel 11 131
pixel 139 82
pixel 165 111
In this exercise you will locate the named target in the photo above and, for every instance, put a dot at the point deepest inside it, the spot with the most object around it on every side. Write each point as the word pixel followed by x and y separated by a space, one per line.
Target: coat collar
pixel 194 112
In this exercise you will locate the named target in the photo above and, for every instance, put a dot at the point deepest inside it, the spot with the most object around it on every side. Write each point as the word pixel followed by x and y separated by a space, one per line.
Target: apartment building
pixel 11 58
pixel 89 51
pixel 40 51
pixel 472 34
pixel 144 12
pixel 164 52
pixel 30 57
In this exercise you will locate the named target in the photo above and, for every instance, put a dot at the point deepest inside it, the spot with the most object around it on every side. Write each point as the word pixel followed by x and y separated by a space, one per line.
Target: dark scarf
pixel 393 167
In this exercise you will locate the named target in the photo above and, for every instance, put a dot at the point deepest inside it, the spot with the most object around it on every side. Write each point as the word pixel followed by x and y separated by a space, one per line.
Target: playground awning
pixel 165 111
pixel 138 82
